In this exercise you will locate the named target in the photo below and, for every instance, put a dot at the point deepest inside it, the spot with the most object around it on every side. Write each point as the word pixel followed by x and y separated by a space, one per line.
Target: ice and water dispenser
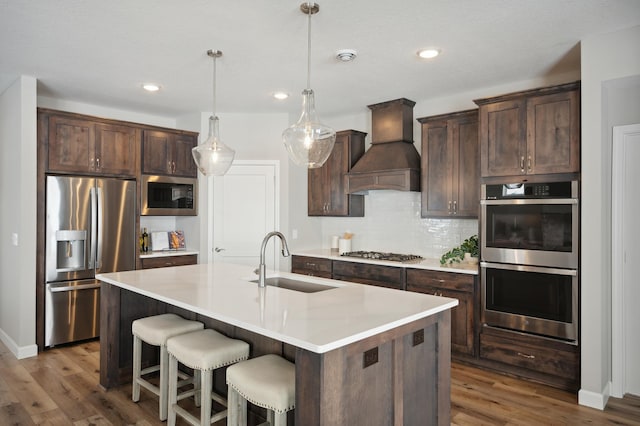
pixel 71 250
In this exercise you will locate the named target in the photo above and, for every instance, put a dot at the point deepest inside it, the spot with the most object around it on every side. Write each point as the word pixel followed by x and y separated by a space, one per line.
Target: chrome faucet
pixel 262 268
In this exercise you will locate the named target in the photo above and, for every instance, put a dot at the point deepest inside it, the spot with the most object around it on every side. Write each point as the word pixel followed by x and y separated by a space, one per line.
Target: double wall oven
pixel 529 247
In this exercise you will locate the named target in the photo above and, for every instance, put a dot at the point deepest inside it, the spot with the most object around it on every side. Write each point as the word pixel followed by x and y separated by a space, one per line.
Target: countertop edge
pixel 427 263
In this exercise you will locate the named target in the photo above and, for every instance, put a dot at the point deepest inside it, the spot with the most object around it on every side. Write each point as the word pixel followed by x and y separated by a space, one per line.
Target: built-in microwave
pixel 169 196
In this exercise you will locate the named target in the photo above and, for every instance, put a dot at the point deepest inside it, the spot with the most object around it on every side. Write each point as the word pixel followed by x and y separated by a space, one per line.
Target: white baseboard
pixel 19 352
pixel 594 399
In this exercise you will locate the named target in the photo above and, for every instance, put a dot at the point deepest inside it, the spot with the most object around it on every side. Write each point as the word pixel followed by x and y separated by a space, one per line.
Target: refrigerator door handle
pixel 93 230
pixel 98 224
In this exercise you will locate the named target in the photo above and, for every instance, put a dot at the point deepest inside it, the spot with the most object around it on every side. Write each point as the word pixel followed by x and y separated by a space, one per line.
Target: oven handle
pixel 527 268
pixel 528 201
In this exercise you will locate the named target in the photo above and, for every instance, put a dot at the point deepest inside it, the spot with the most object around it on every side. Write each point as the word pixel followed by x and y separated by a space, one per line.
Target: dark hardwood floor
pixel 60 387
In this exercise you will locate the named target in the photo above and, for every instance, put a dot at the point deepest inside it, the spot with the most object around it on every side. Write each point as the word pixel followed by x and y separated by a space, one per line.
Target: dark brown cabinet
pixel 313 266
pixel 463 317
pixel 450 165
pixel 531 132
pixel 166 261
pixel 365 273
pixel 545 360
pixel 79 145
pixel 326 185
pixel 168 153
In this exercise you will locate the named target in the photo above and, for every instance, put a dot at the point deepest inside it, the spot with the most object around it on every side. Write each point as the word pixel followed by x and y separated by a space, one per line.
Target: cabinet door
pixel 116 150
pixel 502 138
pixel 317 190
pixel 326 185
pixel 437 173
pixel 466 181
pixel 71 145
pixel 456 286
pixel 183 162
pixel 553 133
pixel 336 168
pixel 156 152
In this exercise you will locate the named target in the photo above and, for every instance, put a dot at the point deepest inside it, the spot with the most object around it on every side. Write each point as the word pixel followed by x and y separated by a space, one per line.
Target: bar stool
pixel 156 330
pixel 203 351
pixel 268 381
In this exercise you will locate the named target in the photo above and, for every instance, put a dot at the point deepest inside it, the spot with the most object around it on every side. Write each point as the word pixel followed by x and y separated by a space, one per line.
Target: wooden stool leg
pixel 137 355
pixel 205 397
pixel 280 419
pixel 173 390
pixel 233 406
pixel 242 412
pixel 197 395
pixel 164 385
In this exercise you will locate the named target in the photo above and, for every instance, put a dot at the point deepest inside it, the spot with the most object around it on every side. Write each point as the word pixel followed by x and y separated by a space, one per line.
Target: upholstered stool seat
pixel 268 381
pixel 204 351
pixel 156 330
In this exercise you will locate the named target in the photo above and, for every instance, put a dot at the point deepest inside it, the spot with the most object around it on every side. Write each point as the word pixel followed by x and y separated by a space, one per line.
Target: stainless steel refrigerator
pixel 90 229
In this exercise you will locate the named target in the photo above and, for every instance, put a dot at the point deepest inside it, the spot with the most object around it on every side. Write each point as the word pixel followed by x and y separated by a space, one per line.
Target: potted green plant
pixel 457 254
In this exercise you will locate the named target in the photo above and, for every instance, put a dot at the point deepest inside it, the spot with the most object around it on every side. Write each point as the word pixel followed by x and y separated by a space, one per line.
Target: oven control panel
pixel 531 190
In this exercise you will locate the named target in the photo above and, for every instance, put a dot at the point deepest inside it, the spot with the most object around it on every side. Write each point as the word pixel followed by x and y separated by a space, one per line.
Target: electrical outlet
pixel 294 234
pixel 14 239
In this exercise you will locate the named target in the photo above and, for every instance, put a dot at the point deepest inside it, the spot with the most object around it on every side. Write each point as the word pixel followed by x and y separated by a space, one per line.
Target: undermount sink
pixel 296 285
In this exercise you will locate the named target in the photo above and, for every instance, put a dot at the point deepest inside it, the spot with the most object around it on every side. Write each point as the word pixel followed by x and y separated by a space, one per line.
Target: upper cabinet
pixel 450 165
pixel 531 132
pixel 80 145
pixel 168 153
pixel 327 184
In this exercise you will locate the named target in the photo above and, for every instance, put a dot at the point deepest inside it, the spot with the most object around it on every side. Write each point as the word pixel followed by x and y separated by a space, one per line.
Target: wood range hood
pixel 392 161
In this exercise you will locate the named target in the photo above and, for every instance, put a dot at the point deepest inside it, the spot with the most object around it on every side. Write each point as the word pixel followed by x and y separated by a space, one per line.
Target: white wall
pixel 18 216
pixel 605 58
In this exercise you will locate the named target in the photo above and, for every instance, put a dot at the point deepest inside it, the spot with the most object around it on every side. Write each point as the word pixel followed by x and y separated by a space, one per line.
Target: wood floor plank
pixel 60 387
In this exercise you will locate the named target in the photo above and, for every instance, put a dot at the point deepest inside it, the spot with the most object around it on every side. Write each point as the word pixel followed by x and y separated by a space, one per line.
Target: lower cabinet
pixel 313 266
pixel 166 261
pixel 549 361
pixel 366 273
pixel 463 316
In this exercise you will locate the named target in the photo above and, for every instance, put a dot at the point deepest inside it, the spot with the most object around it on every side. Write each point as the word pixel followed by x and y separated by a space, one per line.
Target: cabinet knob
pixel 455 207
pixel 529 163
pixel 449 210
pixel 522 164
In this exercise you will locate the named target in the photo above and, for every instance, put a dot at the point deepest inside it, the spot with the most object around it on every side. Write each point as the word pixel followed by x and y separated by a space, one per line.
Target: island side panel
pixel 399 377
pixel 109 335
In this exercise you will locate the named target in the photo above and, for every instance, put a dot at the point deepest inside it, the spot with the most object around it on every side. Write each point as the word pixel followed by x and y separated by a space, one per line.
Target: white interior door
pixel 626 257
pixel 245 209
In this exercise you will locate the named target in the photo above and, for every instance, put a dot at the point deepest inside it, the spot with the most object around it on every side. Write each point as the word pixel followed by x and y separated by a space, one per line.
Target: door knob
pixel 218 249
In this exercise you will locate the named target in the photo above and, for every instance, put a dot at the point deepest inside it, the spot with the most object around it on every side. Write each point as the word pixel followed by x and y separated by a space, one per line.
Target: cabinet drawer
pixel 530 352
pixel 315 266
pixel 364 273
pixel 418 279
pixel 166 261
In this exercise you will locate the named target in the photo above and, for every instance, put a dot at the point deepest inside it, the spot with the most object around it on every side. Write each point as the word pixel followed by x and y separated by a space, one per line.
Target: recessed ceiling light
pixel 280 95
pixel 428 53
pixel 150 87
pixel 346 55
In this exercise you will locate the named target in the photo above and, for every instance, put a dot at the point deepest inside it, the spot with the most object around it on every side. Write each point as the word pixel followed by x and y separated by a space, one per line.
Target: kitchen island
pixel 363 354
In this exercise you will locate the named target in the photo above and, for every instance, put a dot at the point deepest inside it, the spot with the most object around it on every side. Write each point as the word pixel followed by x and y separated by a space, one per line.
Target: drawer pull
pixel 313 265
pixel 526 356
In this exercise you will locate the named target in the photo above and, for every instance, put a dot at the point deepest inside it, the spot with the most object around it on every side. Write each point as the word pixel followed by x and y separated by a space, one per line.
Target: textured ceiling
pixel 102 51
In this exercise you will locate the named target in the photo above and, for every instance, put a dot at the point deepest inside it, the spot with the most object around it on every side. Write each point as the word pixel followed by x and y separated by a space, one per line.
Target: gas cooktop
pixel 376 255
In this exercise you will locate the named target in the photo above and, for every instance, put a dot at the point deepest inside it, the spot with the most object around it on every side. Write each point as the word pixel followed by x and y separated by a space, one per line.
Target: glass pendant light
pixel 309 142
pixel 213 158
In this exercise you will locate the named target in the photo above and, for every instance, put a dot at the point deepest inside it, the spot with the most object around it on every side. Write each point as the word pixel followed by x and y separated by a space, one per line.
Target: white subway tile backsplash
pixel 392 223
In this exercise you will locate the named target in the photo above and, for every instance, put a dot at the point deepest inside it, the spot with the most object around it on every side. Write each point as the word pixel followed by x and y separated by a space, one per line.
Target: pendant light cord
pixel 309 13
pixel 213 111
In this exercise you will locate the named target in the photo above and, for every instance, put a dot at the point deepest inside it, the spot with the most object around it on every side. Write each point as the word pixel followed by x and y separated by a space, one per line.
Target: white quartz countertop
pixel 318 322
pixel 166 253
pixel 427 263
